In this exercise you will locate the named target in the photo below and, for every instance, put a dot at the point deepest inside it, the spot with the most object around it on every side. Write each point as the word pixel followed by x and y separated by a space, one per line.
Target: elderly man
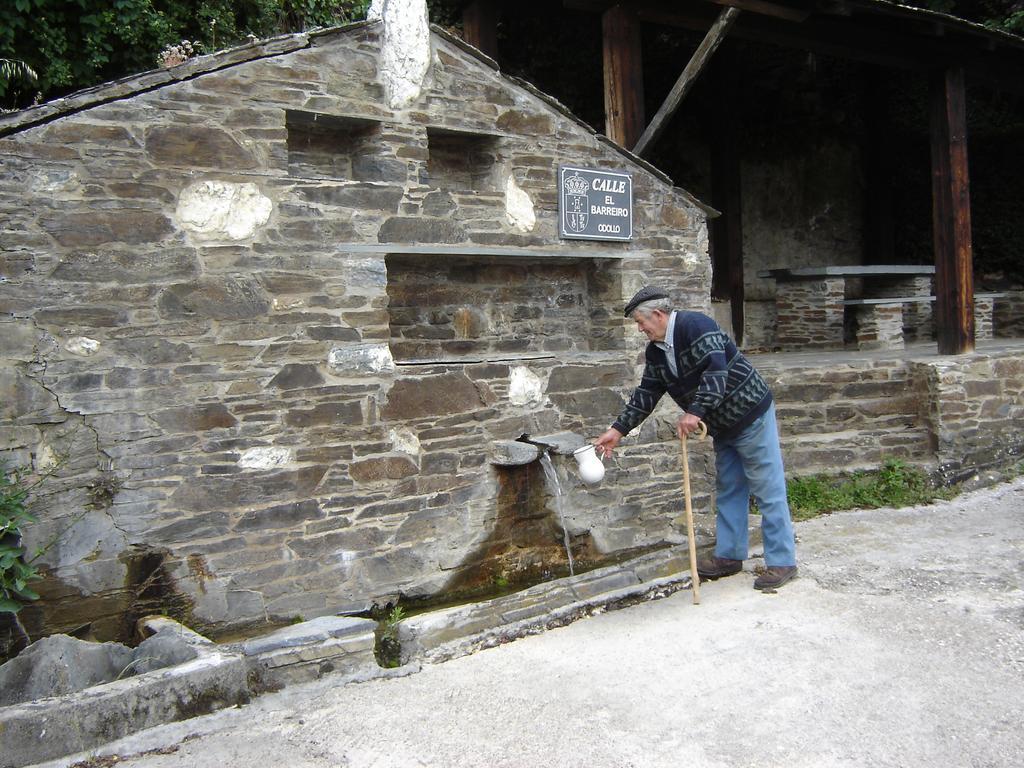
pixel 699 366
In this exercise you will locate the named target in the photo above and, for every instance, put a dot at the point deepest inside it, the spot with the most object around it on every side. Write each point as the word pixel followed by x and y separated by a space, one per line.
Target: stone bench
pixel 881 322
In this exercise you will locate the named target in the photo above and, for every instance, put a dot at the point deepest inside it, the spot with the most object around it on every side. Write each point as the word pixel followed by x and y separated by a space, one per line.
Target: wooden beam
pixel 839 37
pixel 623 76
pixel 689 75
pixel 480 26
pixel 767 9
pixel 726 191
pixel 951 214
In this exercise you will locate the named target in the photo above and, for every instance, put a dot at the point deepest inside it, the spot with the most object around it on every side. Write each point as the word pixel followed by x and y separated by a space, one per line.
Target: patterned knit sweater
pixel 716 382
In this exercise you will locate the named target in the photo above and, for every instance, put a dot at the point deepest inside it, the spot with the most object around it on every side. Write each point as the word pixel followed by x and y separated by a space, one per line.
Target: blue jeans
pixel 751 463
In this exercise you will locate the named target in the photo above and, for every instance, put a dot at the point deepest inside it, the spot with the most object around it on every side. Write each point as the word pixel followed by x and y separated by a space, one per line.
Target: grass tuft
pixel 895 484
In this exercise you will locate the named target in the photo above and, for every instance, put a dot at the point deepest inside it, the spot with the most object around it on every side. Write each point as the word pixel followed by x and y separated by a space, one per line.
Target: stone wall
pixel 259 328
pixel 954 416
pixel 1008 315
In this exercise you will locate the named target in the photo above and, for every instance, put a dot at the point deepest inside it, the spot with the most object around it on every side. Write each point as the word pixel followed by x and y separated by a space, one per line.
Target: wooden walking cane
pixel 702 431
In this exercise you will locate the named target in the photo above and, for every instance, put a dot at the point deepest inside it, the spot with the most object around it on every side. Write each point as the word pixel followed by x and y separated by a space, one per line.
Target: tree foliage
pixel 73 44
pixel 1007 15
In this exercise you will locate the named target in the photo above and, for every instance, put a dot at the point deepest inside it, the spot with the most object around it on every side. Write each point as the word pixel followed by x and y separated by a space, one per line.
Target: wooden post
pixel 951 214
pixel 480 26
pixel 726 194
pixel 690 73
pixel 623 76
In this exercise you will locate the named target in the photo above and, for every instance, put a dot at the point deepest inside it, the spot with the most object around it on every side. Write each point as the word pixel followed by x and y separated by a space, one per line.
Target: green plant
pixel 16 572
pixel 389 649
pixel 894 484
pixel 74 44
pixel 13 69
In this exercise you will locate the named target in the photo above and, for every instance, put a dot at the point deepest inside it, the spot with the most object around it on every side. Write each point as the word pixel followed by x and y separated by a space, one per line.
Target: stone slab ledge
pixel 53 727
pixel 465 629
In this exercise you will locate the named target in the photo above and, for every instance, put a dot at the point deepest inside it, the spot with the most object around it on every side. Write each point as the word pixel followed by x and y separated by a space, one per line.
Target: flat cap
pixel 647 293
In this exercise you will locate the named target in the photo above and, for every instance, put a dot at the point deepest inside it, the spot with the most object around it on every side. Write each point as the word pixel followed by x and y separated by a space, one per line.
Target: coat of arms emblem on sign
pixel 577 205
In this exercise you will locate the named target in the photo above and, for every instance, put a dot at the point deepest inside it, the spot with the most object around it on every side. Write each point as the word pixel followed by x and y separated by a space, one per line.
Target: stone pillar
pixel 984 307
pixel 918 322
pixel 810 313
pixel 880 326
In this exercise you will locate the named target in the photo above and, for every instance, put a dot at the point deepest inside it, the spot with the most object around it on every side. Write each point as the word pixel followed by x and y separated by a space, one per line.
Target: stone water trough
pixel 70 712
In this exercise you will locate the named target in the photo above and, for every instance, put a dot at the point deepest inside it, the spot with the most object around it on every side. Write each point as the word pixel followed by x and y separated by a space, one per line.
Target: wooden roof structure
pixel 952 52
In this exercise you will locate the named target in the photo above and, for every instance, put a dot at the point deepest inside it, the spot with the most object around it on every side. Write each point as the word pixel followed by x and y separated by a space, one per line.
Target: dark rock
pixel 134 191
pixel 289 282
pixel 127 225
pixel 297 376
pixel 587 403
pixel 217 298
pixel 197 418
pixel 281 516
pixel 512 453
pixel 333 333
pixel 362 539
pixel 164 649
pixel 154 351
pixel 235 491
pixel 383 468
pixel 127 267
pixel 438 203
pixel 198 526
pixel 70 132
pixel 432 396
pixel 82 317
pixel 370 168
pixel 359 196
pixel 326 414
pixel 516 121
pixel 572 378
pixel 388 508
pixel 403 229
pixel 59 665
pixel 196 145
pixel 25 401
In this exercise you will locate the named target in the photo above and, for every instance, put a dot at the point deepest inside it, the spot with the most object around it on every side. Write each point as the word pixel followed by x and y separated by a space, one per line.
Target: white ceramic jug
pixel 590 466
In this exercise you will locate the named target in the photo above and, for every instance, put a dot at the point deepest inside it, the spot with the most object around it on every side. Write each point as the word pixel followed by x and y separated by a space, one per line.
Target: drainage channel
pixel 438 628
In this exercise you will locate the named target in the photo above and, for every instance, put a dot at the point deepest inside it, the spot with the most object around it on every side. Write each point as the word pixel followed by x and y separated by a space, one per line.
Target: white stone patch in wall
pixel 82 346
pixel 404 440
pixel 52 182
pixel 518 206
pixel 46 458
pixel 690 256
pixel 343 557
pixel 360 359
pixel 264 458
pixel 525 387
pixel 218 210
pixel 405 49
pixel 280 305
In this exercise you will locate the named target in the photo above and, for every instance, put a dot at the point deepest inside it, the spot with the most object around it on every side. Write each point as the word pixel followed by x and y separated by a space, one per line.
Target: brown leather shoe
pixel 717 567
pixel 774 577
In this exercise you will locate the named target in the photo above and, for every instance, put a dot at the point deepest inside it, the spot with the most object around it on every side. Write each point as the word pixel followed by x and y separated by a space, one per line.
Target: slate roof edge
pixel 562 109
pixel 143 82
pixel 964 25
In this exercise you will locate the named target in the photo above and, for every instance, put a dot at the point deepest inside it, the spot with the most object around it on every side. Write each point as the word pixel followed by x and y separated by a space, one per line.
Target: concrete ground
pixel 900 644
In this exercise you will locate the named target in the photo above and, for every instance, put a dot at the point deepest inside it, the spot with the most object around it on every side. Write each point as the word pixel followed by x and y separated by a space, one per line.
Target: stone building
pixel 270 321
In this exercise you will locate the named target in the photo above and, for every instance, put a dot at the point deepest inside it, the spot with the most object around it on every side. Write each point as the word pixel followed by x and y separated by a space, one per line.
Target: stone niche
pixel 449 308
pixel 329 146
pixel 462 160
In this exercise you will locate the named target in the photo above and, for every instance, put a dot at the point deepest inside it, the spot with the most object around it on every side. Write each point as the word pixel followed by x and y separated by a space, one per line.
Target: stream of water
pixel 552 478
